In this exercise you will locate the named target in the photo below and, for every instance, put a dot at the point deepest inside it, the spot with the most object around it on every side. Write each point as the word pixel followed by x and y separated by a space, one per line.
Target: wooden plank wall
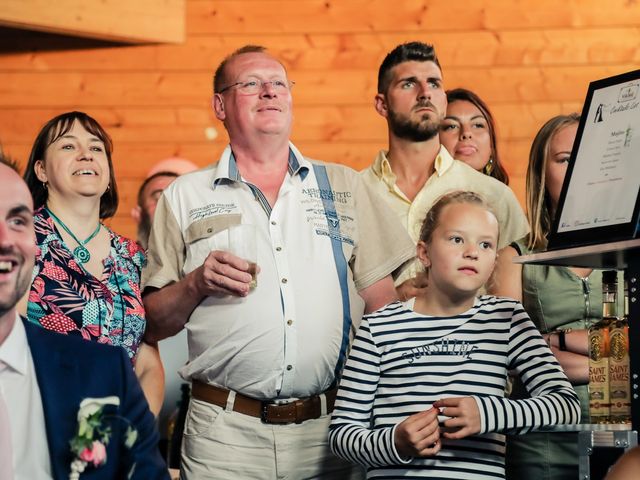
pixel 528 59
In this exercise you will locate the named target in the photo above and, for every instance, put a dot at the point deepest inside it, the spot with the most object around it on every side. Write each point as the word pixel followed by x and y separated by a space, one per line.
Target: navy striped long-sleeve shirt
pixel 401 362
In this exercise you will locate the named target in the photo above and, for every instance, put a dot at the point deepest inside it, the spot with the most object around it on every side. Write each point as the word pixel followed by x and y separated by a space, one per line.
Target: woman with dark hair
pixel 563 302
pixel 468 132
pixel 86 280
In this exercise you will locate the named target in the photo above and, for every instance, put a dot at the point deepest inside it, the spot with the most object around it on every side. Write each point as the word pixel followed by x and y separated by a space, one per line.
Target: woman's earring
pixel 44 184
pixel 488 168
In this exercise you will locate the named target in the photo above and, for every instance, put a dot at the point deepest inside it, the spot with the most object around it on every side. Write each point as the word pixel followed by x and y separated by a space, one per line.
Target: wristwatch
pixel 562 340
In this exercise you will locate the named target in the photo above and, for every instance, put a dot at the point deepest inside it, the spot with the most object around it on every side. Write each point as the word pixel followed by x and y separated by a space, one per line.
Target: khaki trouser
pixel 222 444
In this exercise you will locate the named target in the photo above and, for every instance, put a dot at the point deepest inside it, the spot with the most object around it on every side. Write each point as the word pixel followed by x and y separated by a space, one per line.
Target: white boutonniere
pixel 94 432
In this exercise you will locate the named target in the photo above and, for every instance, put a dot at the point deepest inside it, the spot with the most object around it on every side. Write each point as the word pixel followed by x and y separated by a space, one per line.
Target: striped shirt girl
pixel 401 362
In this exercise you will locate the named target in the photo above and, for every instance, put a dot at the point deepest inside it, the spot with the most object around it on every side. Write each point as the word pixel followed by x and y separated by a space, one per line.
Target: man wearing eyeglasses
pixel 265 360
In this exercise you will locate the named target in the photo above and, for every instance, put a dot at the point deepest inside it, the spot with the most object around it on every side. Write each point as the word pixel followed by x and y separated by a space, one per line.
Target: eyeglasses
pixel 252 87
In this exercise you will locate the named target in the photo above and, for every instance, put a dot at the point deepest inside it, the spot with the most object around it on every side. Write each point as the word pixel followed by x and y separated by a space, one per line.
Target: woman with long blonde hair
pixel 563 302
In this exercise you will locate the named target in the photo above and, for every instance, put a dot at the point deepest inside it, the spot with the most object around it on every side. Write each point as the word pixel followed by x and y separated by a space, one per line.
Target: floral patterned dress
pixel 66 298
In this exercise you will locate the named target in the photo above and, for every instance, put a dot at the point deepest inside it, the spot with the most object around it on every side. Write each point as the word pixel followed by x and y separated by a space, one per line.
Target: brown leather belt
pixel 296 411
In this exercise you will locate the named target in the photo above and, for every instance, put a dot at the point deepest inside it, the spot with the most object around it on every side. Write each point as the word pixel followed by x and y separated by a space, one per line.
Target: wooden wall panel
pixel 269 17
pixel 529 60
pixel 363 51
pixel 349 87
pixel 356 123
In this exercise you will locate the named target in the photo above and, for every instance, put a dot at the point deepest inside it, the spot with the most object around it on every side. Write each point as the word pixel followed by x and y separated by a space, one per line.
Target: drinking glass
pixel 243 243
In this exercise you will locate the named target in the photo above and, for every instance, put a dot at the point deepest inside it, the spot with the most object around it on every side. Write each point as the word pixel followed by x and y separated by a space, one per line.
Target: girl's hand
pixel 418 435
pixel 464 416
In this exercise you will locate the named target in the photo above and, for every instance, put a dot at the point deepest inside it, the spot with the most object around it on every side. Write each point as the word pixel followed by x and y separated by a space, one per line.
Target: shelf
pixel 615 255
pixel 587 427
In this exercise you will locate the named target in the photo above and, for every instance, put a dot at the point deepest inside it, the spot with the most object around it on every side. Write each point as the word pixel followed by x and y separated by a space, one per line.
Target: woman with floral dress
pixel 86 279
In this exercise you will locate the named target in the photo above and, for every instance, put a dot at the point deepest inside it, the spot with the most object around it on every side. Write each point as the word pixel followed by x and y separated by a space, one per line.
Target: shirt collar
pixel 14 351
pixel 443 162
pixel 382 167
pixel 227 170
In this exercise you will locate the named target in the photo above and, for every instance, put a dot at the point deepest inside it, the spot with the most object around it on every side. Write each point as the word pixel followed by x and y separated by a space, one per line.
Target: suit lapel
pixel 57 376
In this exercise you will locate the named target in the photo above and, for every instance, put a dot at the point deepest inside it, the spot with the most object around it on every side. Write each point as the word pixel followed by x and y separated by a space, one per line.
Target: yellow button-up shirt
pixel 449 175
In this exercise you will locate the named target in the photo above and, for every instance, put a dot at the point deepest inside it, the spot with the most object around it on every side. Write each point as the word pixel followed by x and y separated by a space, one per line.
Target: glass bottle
pixel 619 386
pixel 599 407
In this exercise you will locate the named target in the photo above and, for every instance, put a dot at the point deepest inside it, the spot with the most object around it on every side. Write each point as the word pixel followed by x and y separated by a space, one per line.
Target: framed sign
pixel 600 199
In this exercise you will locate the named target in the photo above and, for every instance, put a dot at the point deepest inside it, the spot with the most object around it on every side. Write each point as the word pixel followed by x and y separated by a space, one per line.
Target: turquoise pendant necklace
pixel 80 252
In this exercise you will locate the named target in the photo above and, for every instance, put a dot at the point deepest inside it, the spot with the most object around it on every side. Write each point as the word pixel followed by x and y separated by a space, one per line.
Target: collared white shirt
pixel 283 339
pixel 21 393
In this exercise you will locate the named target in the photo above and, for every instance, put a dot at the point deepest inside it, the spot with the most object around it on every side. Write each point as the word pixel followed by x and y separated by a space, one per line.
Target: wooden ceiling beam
pixel 139 21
